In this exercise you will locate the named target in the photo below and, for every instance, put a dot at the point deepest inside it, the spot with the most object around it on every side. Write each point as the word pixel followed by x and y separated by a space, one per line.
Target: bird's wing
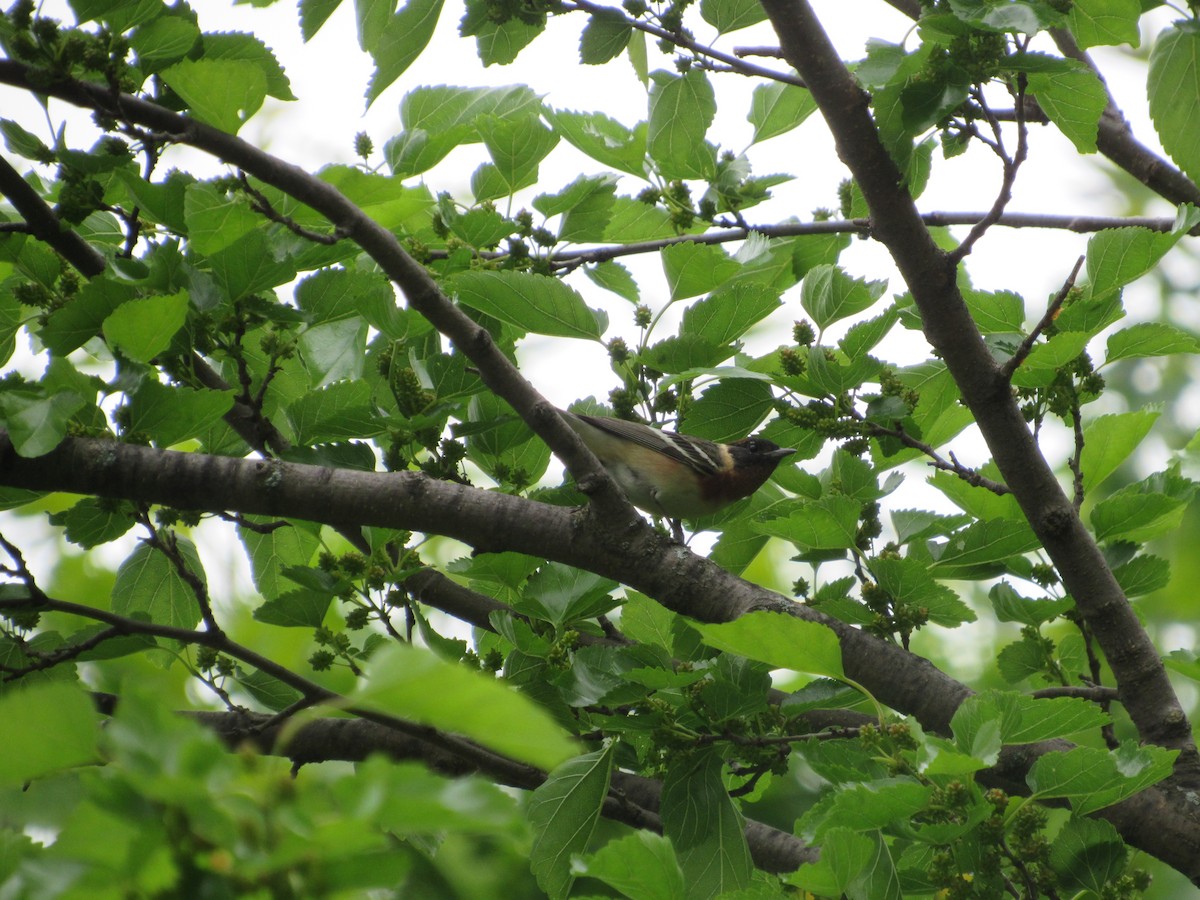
pixel 703 456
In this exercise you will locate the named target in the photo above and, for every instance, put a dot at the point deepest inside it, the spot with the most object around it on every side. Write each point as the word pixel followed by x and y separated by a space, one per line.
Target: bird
pixel 676 476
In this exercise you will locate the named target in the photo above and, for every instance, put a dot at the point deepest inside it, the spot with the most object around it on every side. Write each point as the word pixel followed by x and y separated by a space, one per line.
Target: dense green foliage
pixel 484 690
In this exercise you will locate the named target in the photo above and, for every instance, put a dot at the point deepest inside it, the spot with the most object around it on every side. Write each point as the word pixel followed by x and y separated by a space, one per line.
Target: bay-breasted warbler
pixel 676 475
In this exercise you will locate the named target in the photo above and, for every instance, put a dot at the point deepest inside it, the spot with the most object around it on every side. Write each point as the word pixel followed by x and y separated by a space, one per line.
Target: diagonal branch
pixel 1141 677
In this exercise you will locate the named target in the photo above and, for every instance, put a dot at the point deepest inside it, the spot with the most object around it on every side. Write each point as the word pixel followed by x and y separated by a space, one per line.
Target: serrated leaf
pixel 1173 86
pixel 730 312
pixel 403 40
pixel 1104 22
pixel 1109 440
pixel 143 328
pixel 729 410
pixel 730 15
pixel 1074 101
pixel 693 269
pixel 221 93
pixel 535 303
pixel 829 294
pixel 563 812
pixel 48 727
pixel 606 34
pixel 339 411
pixel 780 640
pixel 397 681
pixel 1149 339
pixel 169 415
pixel 704 826
pixel 148 584
pixel 682 108
pixel 641 865
pixel 1093 779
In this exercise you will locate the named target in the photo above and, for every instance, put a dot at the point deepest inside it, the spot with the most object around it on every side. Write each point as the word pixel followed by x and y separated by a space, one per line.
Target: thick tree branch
pixel 415 282
pixel 948 325
pixel 680 580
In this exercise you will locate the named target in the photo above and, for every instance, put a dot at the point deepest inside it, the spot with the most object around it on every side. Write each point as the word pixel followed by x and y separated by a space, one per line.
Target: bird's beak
pixel 781 453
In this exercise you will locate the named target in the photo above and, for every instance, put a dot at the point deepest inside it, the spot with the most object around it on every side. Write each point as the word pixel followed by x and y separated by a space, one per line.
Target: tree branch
pixel 948 325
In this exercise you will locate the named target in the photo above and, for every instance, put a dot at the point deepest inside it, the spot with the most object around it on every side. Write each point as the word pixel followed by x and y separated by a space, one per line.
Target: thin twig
pixel 1011 166
pixel 688 43
pixel 1026 347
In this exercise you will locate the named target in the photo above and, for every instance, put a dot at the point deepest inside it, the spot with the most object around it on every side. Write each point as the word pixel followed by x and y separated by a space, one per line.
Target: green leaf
pixel 861 337
pixel 148 585
pixel 982 544
pixel 339 411
pixel 503 445
pixel 909 582
pixel 22 142
pixel 612 276
pixel 996 312
pixel 498 43
pixel 606 34
pixel 165 40
pixel 641 865
pixel 248 48
pixel 1074 101
pixel 693 269
pixel 1012 607
pixel 141 329
pixel 1041 366
pixel 37 424
pixel 438 119
pixel 730 312
pixel 1110 440
pixel 397 682
pixel 277 550
pixel 1143 575
pixel 170 415
pixel 729 410
pixel 517 146
pixel 1088 855
pixel 295 609
pixel 1093 779
pixel 562 594
pixel 845 854
pixel 73 325
pixel 404 39
pixel 1173 85
pixel 221 93
pixel 1149 339
pixel 47 727
pixel 830 523
pixel 633 221
pixel 563 812
pixel 864 807
pixel 682 108
pixel 1117 256
pixel 215 219
pixel 603 139
pixel 1137 517
pixel 704 826
pixel 730 15
pixel 94 521
pixel 249 266
pixel 1104 22
pixel 334 351
pixel 386 199
pixel 780 640
pixel 534 303
pixel 829 294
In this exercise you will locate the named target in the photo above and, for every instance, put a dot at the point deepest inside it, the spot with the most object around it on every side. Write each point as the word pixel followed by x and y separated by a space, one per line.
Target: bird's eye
pixel 753 445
